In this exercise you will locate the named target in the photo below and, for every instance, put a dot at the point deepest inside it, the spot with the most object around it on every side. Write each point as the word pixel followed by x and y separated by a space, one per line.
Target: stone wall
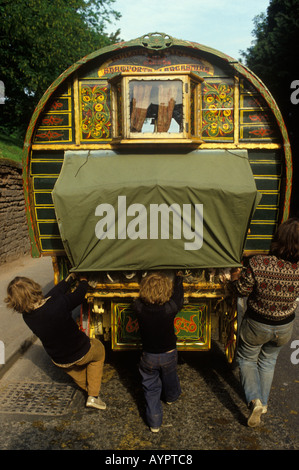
pixel 14 239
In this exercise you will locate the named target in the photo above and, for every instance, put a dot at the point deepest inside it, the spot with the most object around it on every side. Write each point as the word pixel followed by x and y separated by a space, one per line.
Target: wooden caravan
pixel 151 122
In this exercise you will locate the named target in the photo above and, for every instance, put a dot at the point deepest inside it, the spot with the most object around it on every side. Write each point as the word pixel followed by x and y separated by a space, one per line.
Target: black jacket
pixel 53 324
pixel 156 322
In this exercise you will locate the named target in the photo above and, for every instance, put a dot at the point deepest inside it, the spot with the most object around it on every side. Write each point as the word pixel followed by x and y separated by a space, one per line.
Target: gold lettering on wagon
pixel 138 63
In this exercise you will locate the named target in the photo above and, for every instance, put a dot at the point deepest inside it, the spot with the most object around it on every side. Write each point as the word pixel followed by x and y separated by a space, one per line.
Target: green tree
pixel 273 57
pixel 39 39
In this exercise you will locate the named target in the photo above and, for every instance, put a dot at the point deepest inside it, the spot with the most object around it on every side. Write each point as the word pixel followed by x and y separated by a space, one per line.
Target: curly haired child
pixel 159 301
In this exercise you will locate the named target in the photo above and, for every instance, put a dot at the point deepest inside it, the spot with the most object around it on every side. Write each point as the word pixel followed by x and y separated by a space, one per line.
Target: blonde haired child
pixel 50 319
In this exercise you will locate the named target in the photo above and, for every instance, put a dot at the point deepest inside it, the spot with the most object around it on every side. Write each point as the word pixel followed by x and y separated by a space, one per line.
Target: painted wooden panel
pixel 95 111
pixel 56 123
pixel 192 326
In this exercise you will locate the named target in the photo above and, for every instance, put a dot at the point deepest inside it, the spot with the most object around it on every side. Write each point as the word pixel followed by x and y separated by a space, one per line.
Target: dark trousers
pixel 159 375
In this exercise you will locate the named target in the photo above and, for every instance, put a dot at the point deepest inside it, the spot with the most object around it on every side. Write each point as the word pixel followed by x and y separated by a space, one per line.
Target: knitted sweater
pixel 272 287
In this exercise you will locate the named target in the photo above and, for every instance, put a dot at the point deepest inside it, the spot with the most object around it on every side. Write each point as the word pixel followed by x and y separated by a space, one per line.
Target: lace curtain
pixel 167 94
pixel 167 99
pixel 140 104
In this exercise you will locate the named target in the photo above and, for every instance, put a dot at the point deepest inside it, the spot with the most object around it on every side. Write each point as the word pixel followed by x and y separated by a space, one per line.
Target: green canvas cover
pixel 119 211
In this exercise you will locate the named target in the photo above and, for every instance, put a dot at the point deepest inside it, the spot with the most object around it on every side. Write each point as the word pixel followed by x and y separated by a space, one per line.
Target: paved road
pixel 41 409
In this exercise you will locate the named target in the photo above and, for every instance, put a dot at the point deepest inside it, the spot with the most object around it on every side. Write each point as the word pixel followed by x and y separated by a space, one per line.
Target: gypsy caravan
pixel 156 154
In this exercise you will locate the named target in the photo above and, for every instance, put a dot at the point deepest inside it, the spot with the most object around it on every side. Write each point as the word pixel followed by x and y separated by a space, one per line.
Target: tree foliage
pixel 39 39
pixel 273 57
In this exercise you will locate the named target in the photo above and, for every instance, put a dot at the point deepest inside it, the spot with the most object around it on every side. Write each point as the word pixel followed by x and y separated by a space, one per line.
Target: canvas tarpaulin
pixel 153 211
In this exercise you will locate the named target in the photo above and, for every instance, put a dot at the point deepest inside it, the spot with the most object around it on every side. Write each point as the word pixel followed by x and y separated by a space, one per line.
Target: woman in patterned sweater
pixel 271 283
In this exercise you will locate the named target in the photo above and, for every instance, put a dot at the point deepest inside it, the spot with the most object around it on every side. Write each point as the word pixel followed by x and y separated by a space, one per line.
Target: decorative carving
pixel 156 41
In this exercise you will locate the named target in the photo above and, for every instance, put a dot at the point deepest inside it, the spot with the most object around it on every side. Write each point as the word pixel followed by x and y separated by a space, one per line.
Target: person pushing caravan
pixel 50 319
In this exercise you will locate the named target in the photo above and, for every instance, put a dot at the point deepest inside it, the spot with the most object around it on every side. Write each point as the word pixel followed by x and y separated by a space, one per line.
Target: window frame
pixel 122 82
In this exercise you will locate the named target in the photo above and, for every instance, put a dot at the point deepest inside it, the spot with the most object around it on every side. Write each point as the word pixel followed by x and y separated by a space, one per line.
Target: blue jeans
pixel 257 353
pixel 159 374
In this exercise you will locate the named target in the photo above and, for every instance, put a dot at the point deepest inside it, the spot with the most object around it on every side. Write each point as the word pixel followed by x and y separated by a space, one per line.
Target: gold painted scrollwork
pixel 229 326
